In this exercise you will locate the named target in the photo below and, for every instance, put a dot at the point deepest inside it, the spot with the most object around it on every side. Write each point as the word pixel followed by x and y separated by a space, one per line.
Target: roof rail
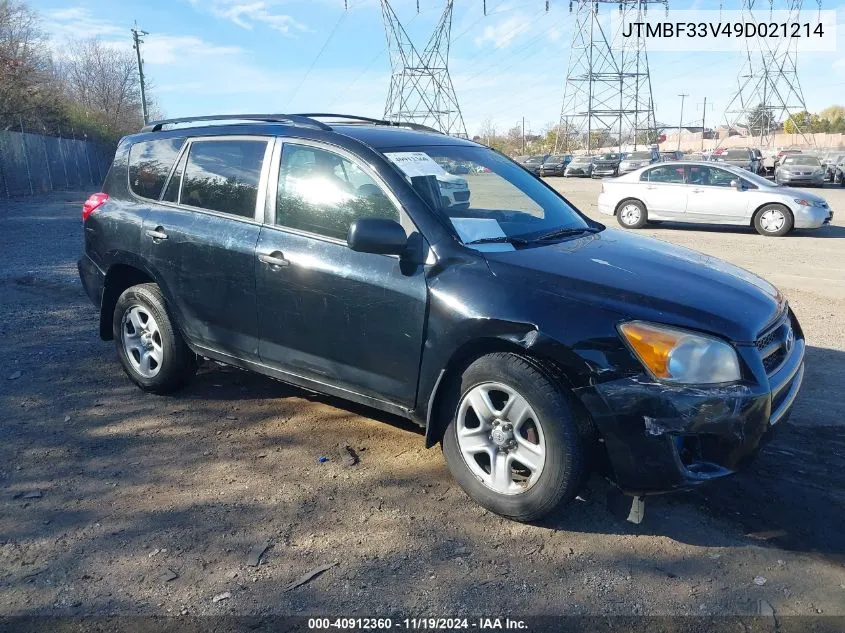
pixel 365 119
pixel 294 119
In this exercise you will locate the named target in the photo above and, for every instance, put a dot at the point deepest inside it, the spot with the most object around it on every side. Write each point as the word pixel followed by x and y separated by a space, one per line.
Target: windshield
pixel 640 156
pixel 736 154
pixel 801 160
pixel 555 159
pixel 610 157
pixel 536 159
pixel 757 180
pixel 496 199
pixel 582 159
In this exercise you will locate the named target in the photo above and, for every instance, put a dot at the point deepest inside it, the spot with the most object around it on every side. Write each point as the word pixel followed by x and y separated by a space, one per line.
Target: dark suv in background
pixel 321 251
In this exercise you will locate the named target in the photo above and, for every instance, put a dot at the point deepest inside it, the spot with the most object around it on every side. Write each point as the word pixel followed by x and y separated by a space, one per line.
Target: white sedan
pixel 709 194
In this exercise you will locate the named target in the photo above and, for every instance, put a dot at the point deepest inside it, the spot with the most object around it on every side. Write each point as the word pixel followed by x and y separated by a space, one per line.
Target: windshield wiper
pixel 564 233
pixel 500 239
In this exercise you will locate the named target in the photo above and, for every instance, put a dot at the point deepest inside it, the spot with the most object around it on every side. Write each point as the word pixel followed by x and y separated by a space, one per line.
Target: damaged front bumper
pixel 662 437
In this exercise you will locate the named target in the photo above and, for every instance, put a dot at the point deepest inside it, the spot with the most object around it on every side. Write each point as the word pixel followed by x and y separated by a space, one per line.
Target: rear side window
pixel 150 163
pixel 223 175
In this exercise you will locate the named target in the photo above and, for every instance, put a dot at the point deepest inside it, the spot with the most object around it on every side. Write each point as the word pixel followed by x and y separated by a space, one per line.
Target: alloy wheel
pixel 141 340
pixel 500 438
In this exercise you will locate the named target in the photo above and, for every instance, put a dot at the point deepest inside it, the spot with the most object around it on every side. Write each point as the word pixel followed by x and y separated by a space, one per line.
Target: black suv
pixel 528 339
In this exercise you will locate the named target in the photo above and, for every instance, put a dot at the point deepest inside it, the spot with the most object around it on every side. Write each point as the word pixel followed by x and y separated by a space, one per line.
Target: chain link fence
pixel 31 164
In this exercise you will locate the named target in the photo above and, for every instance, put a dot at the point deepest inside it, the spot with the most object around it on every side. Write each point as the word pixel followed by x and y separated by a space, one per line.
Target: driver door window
pixel 321 192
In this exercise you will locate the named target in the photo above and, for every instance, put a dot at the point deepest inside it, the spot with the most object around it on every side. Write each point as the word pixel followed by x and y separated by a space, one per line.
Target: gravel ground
pixel 113 501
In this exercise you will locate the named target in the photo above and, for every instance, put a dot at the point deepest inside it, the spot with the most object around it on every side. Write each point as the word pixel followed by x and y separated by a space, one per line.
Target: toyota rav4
pixel 529 341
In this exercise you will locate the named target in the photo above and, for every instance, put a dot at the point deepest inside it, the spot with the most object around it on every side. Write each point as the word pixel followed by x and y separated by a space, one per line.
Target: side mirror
pixel 377 235
pixel 736 184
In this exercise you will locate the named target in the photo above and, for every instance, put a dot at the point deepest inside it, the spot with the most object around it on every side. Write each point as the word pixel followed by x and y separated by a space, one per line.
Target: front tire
pixel 632 214
pixel 149 346
pixel 773 220
pixel 513 443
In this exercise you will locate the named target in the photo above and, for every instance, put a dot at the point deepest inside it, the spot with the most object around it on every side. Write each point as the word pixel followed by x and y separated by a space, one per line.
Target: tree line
pixel 88 89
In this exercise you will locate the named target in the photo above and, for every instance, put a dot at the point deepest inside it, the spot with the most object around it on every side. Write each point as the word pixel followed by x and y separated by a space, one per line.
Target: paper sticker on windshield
pixel 471 229
pixel 415 164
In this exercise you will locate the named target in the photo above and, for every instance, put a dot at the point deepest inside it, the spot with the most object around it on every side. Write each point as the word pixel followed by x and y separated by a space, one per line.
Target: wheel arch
pixel 770 204
pixel 438 415
pixel 119 277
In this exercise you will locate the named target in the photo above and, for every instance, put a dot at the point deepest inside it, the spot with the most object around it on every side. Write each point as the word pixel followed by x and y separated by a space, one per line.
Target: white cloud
pixel 247 14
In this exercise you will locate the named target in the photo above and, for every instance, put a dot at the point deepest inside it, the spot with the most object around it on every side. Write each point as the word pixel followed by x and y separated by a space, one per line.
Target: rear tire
pixel 149 346
pixel 773 220
pixel 513 443
pixel 632 214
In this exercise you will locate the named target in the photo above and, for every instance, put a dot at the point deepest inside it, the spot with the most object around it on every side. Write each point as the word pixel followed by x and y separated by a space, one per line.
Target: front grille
pixel 462 196
pixel 775 344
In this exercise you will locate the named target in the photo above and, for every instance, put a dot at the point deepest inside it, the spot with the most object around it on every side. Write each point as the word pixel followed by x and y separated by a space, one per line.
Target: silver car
pixel 710 194
pixel 801 169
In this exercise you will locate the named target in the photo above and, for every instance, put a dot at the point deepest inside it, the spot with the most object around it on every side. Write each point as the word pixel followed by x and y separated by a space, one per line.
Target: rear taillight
pixel 93 203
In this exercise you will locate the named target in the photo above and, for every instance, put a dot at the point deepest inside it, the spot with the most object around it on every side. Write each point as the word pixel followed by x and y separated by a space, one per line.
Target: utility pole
pixel 523 136
pixel 703 121
pixel 681 122
pixel 136 37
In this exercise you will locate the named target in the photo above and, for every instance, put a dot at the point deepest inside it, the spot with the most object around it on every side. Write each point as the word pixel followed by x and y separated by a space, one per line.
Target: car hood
pixel 648 279
pixel 798 193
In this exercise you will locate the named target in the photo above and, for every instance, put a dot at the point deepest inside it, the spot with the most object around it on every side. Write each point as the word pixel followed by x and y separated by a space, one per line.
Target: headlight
pixel 809 203
pixel 681 356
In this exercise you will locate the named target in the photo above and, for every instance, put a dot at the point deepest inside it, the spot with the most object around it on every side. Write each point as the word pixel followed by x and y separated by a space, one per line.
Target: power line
pixel 319 54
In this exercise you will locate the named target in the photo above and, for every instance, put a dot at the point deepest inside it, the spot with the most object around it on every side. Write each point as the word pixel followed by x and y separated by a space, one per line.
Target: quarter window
pixel 223 175
pixel 322 192
pixel 149 164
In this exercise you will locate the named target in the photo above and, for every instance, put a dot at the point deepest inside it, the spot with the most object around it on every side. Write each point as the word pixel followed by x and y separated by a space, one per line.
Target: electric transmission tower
pixel 608 88
pixel 768 91
pixel 421 89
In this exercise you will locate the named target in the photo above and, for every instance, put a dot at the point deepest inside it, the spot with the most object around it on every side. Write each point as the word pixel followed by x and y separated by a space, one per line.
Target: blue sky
pixel 209 56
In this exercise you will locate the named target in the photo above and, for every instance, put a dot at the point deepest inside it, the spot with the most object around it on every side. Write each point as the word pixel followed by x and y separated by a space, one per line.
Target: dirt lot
pixel 117 502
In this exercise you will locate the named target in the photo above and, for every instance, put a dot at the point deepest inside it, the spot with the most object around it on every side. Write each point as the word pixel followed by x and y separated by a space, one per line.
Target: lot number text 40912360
pixel 418 624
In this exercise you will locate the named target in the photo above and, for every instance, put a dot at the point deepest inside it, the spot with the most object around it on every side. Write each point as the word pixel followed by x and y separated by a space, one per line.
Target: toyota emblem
pixel 790 340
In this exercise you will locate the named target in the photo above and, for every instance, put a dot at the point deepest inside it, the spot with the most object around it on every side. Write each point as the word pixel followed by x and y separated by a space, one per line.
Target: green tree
pixel 759 120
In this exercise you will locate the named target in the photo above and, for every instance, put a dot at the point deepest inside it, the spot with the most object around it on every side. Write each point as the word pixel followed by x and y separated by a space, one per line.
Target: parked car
pixel 454 191
pixel 745 158
pixel 829 162
pixel 535 163
pixel 636 160
pixel 672 155
pixel 785 152
pixel 579 166
pixel 710 194
pixel 800 169
pixel 555 165
pixel 524 338
pixel 607 164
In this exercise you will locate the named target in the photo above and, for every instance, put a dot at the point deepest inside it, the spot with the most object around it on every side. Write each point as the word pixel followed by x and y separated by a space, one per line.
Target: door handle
pixel 157 233
pixel 651 187
pixel 275 259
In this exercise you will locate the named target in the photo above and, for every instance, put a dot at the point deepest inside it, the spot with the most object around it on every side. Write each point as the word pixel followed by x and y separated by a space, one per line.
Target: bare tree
pixel 25 64
pixel 103 82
